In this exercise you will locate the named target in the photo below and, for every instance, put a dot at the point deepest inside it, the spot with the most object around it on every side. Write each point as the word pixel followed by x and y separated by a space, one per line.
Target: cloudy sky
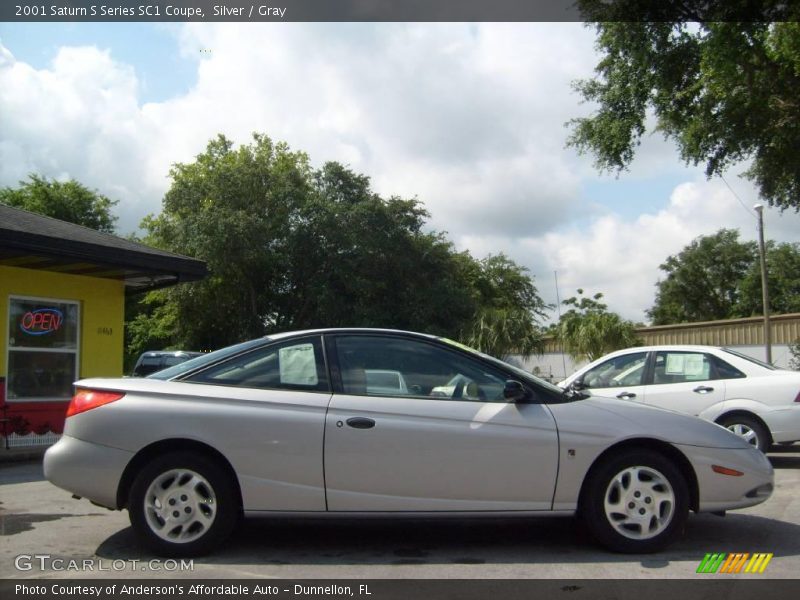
pixel 469 118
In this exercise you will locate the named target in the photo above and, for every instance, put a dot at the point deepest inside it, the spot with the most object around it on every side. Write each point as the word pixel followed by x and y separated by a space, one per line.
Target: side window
pixel 620 371
pixel 390 366
pixel 294 365
pixel 680 367
pixel 727 371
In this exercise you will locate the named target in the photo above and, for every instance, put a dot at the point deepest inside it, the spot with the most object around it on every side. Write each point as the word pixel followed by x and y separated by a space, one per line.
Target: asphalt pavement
pixel 45 533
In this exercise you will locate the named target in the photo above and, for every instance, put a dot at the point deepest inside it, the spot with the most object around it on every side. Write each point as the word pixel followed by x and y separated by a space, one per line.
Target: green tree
pixel 508 318
pixel 794 350
pixel 719 277
pixel 703 281
pixel 588 330
pixel 783 268
pixel 69 201
pixel 724 92
pixel 291 247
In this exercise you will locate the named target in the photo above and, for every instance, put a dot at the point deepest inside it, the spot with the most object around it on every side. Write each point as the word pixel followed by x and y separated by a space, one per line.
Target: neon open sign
pixel 41 321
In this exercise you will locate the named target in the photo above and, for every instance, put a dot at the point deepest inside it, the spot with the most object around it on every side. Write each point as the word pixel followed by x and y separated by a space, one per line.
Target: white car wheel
pixel 183 504
pixel 635 501
pixel 639 502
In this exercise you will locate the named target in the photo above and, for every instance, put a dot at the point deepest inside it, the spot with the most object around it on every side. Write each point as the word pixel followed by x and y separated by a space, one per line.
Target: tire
pixel 635 501
pixel 748 428
pixel 200 496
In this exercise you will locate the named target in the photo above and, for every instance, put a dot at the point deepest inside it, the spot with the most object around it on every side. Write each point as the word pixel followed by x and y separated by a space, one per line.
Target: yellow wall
pixel 102 313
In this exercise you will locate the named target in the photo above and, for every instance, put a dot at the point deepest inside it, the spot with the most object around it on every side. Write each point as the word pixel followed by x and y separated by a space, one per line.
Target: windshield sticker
pixel 693 365
pixel 674 364
pixel 457 344
pixel 298 365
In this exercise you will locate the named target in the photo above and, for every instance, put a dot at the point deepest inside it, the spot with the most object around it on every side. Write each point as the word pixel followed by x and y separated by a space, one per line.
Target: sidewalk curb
pixel 13 455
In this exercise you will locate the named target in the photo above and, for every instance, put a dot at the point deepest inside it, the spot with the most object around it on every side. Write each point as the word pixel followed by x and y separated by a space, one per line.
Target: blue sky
pixel 152 50
pixel 469 118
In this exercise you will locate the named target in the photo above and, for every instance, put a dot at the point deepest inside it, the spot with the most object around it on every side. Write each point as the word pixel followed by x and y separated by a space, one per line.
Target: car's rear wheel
pixel 182 504
pixel 748 428
pixel 635 501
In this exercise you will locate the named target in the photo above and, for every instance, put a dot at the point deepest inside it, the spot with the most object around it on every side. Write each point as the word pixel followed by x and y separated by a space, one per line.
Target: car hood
pixel 634 420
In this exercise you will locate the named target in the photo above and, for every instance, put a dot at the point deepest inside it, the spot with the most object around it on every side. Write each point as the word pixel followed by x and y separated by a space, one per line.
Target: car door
pixel 264 410
pixel 450 443
pixel 621 376
pixel 685 381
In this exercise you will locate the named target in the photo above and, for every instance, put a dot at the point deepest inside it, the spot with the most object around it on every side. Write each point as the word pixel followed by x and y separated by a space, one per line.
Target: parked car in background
pixel 152 361
pixel 290 424
pixel 753 399
pixel 383 382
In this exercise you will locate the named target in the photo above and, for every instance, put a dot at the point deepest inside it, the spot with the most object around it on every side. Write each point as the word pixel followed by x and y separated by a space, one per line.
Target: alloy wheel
pixel 639 502
pixel 180 506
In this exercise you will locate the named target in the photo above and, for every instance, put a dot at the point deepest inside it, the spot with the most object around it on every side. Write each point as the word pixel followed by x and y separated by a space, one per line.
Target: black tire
pixel 203 505
pixel 621 528
pixel 746 423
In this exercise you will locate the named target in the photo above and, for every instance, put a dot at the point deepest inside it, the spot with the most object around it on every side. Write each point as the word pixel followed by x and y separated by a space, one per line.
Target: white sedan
pixel 753 399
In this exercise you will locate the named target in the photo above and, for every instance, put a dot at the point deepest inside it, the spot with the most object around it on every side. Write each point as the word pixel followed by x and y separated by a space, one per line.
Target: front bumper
pixel 725 492
pixel 86 469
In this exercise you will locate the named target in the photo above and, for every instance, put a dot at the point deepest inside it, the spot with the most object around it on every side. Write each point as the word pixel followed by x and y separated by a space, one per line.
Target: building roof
pixel 33 241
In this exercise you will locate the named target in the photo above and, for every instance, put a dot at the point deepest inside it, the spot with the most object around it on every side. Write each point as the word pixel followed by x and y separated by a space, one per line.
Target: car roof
pixel 284 334
pixel 697 347
pixel 159 353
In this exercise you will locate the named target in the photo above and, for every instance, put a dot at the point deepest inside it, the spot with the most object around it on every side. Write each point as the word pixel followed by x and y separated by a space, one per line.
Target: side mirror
pixel 514 391
pixel 577 385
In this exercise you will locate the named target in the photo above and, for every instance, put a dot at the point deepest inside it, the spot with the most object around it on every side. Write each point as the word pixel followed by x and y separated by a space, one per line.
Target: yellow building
pixel 62 304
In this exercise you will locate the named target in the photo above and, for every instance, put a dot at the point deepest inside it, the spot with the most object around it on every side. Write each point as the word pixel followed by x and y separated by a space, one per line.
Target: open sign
pixel 41 321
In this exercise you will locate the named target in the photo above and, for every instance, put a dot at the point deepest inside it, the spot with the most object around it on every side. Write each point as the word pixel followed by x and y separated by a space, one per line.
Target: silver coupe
pixel 300 424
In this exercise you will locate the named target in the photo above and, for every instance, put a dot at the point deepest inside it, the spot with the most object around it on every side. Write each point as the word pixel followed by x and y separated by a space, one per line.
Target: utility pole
pixel 759 208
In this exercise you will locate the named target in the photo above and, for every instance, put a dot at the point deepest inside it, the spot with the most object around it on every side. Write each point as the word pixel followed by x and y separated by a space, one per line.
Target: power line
pixel 735 195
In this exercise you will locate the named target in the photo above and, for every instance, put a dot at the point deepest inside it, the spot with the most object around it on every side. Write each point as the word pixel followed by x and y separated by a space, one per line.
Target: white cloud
pixel 620 257
pixel 469 118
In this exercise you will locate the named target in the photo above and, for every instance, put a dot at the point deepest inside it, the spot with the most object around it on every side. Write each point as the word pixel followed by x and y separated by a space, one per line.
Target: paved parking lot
pixel 38 519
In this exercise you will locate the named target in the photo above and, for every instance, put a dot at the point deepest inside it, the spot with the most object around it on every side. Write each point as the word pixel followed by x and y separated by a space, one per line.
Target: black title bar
pixel 399 10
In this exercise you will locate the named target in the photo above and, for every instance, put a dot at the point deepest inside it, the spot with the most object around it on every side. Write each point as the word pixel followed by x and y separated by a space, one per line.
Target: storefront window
pixel 42 348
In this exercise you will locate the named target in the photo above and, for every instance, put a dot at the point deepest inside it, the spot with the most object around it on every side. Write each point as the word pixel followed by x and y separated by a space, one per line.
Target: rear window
pixel 755 361
pixel 206 359
pixel 147 365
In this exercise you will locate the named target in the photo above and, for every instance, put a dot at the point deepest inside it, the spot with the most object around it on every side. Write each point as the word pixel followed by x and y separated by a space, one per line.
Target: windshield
pixel 750 359
pixel 205 359
pixel 522 373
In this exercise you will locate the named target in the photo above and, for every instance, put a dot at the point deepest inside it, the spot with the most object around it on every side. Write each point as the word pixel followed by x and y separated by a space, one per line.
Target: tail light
pixel 797 398
pixel 84 400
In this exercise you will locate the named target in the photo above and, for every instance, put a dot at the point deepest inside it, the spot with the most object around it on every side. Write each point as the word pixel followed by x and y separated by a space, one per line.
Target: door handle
pixel 626 395
pixel 703 389
pixel 361 423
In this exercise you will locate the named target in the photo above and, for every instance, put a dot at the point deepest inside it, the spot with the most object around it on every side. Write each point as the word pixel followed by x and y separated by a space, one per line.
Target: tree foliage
pixel 794 350
pixel 291 247
pixel 725 92
pixel 588 330
pixel 509 309
pixel 719 277
pixel 783 276
pixel 69 201
pixel 703 281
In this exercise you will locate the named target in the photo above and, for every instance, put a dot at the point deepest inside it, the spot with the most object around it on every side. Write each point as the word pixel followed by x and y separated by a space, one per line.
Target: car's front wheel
pixel 635 501
pixel 182 504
